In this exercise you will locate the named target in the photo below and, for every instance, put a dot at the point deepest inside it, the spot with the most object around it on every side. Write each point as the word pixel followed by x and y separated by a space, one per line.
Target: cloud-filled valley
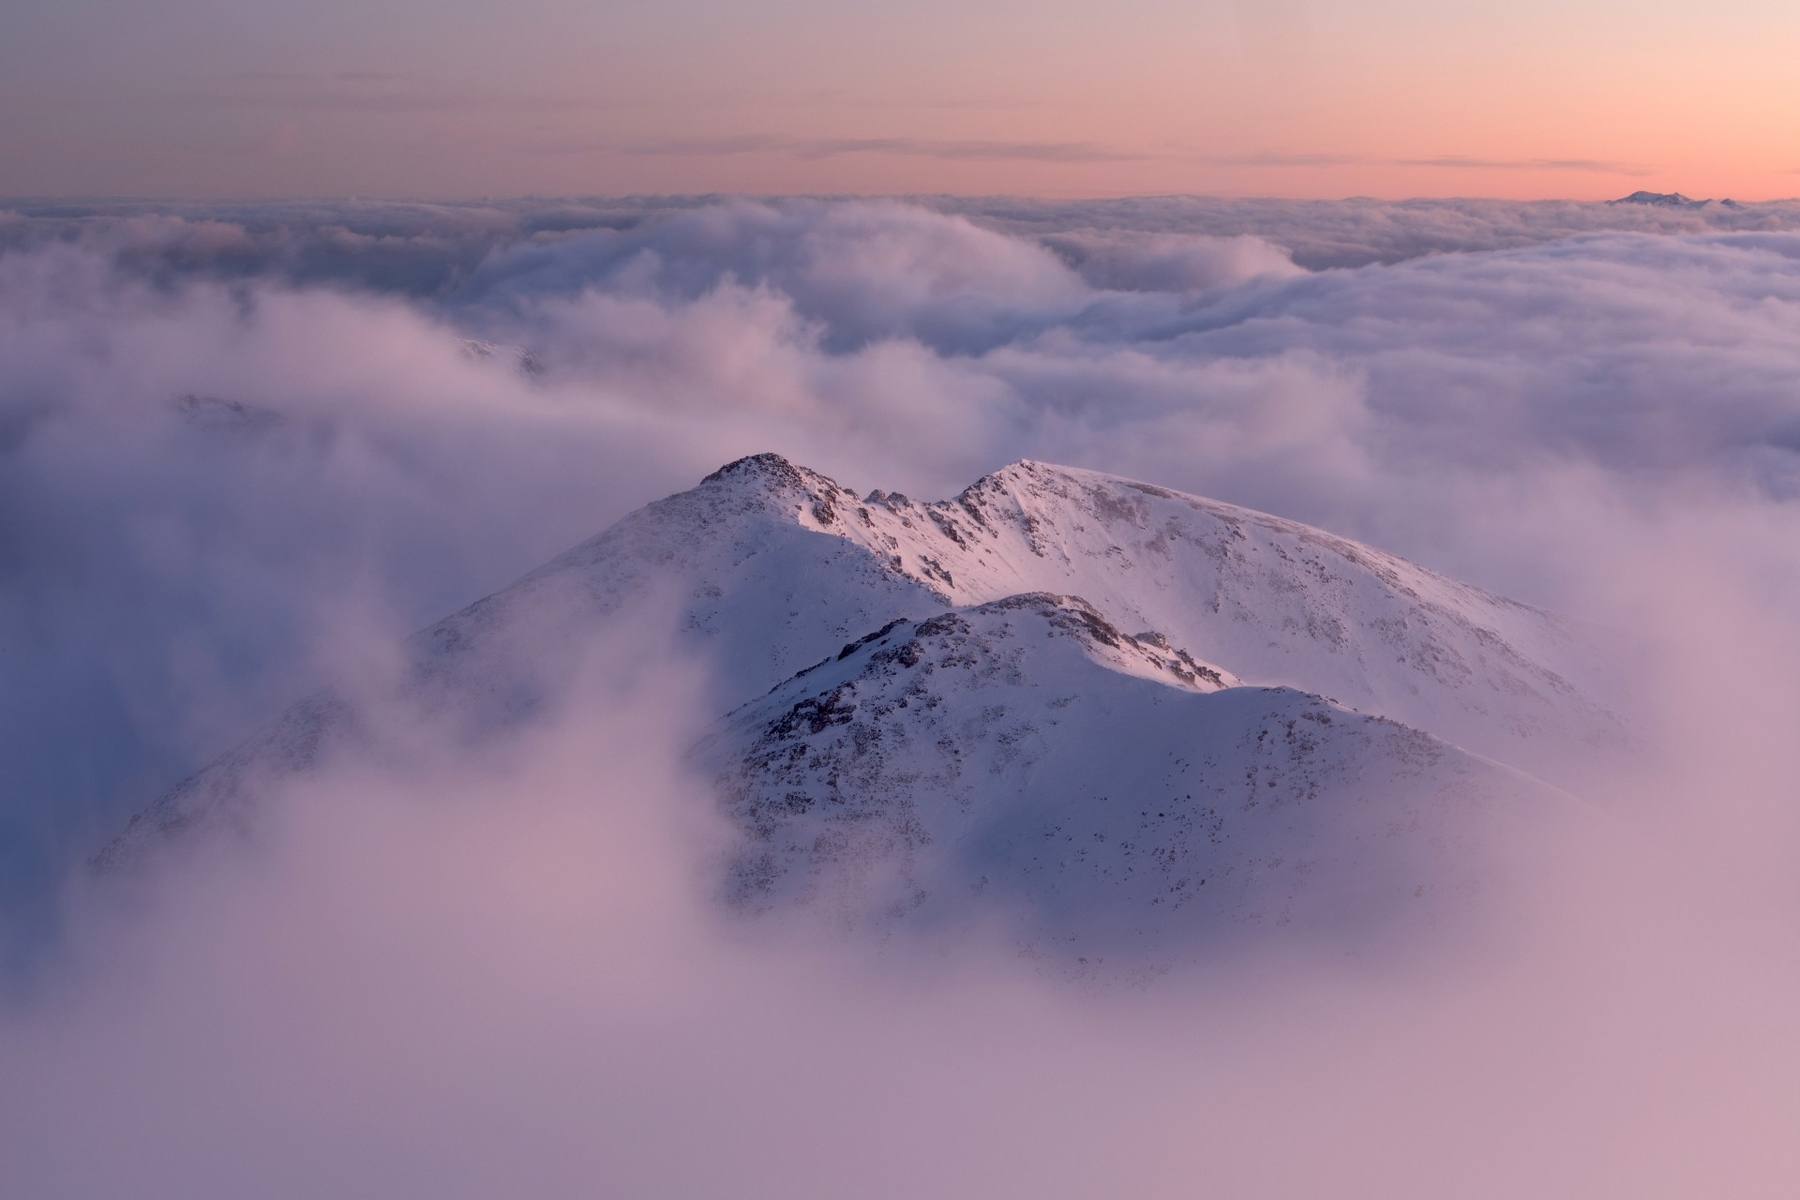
pixel 247 451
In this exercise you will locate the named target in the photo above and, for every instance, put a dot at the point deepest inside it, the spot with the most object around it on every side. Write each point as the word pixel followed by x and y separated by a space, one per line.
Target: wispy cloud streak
pixel 822 148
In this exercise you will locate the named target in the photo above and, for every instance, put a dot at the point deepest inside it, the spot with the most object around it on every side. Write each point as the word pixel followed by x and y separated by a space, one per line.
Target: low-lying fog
pixel 239 460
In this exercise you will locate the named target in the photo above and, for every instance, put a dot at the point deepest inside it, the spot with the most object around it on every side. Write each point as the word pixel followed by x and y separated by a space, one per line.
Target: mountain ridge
pixel 955 757
pixel 1045 615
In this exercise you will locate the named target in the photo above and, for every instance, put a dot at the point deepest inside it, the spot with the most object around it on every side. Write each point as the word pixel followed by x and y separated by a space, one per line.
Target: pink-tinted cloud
pixel 494 969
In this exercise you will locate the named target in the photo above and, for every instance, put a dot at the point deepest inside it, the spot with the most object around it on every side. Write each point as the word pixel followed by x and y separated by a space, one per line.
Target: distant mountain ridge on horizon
pixel 1672 200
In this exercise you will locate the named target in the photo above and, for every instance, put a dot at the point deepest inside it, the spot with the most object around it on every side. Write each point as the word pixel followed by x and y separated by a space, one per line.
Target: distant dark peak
pixel 521 357
pixel 1661 200
pixel 218 413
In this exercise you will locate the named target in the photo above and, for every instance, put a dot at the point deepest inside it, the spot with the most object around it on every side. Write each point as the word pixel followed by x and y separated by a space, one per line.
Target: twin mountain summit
pixel 1120 723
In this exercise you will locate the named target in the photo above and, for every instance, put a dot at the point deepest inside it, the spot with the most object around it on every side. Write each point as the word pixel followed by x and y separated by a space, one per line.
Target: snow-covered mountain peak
pixel 775 479
pixel 1118 800
pixel 1147 655
pixel 1272 600
pixel 1099 696
pixel 1051 628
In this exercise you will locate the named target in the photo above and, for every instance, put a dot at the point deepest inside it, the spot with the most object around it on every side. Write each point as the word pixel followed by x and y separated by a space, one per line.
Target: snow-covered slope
pixel 749 564
pixel 1107 794
pixel 1277 602
pixel 1055 654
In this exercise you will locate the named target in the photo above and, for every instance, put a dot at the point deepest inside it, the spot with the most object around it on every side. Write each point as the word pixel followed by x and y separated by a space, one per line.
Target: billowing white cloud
pixel 242 457
pixel 242 450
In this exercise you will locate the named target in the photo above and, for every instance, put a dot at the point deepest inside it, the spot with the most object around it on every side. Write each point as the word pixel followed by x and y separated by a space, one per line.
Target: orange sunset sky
pixel 1306 98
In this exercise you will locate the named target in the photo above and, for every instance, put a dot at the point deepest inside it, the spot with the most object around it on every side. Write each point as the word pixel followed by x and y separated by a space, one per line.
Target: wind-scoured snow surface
pixel 500 907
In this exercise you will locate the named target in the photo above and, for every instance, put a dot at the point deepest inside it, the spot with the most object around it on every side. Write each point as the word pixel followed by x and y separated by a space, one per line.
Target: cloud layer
pixel 242 450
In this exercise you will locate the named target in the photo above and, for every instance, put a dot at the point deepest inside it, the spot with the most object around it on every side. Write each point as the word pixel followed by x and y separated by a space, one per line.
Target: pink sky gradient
pixel 1305 98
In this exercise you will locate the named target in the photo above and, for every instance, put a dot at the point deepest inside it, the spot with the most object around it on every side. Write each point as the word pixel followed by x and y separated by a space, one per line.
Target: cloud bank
pixel 244 450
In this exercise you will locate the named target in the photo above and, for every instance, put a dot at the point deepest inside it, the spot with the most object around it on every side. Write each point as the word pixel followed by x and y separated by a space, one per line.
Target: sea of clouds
pixel 245 449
